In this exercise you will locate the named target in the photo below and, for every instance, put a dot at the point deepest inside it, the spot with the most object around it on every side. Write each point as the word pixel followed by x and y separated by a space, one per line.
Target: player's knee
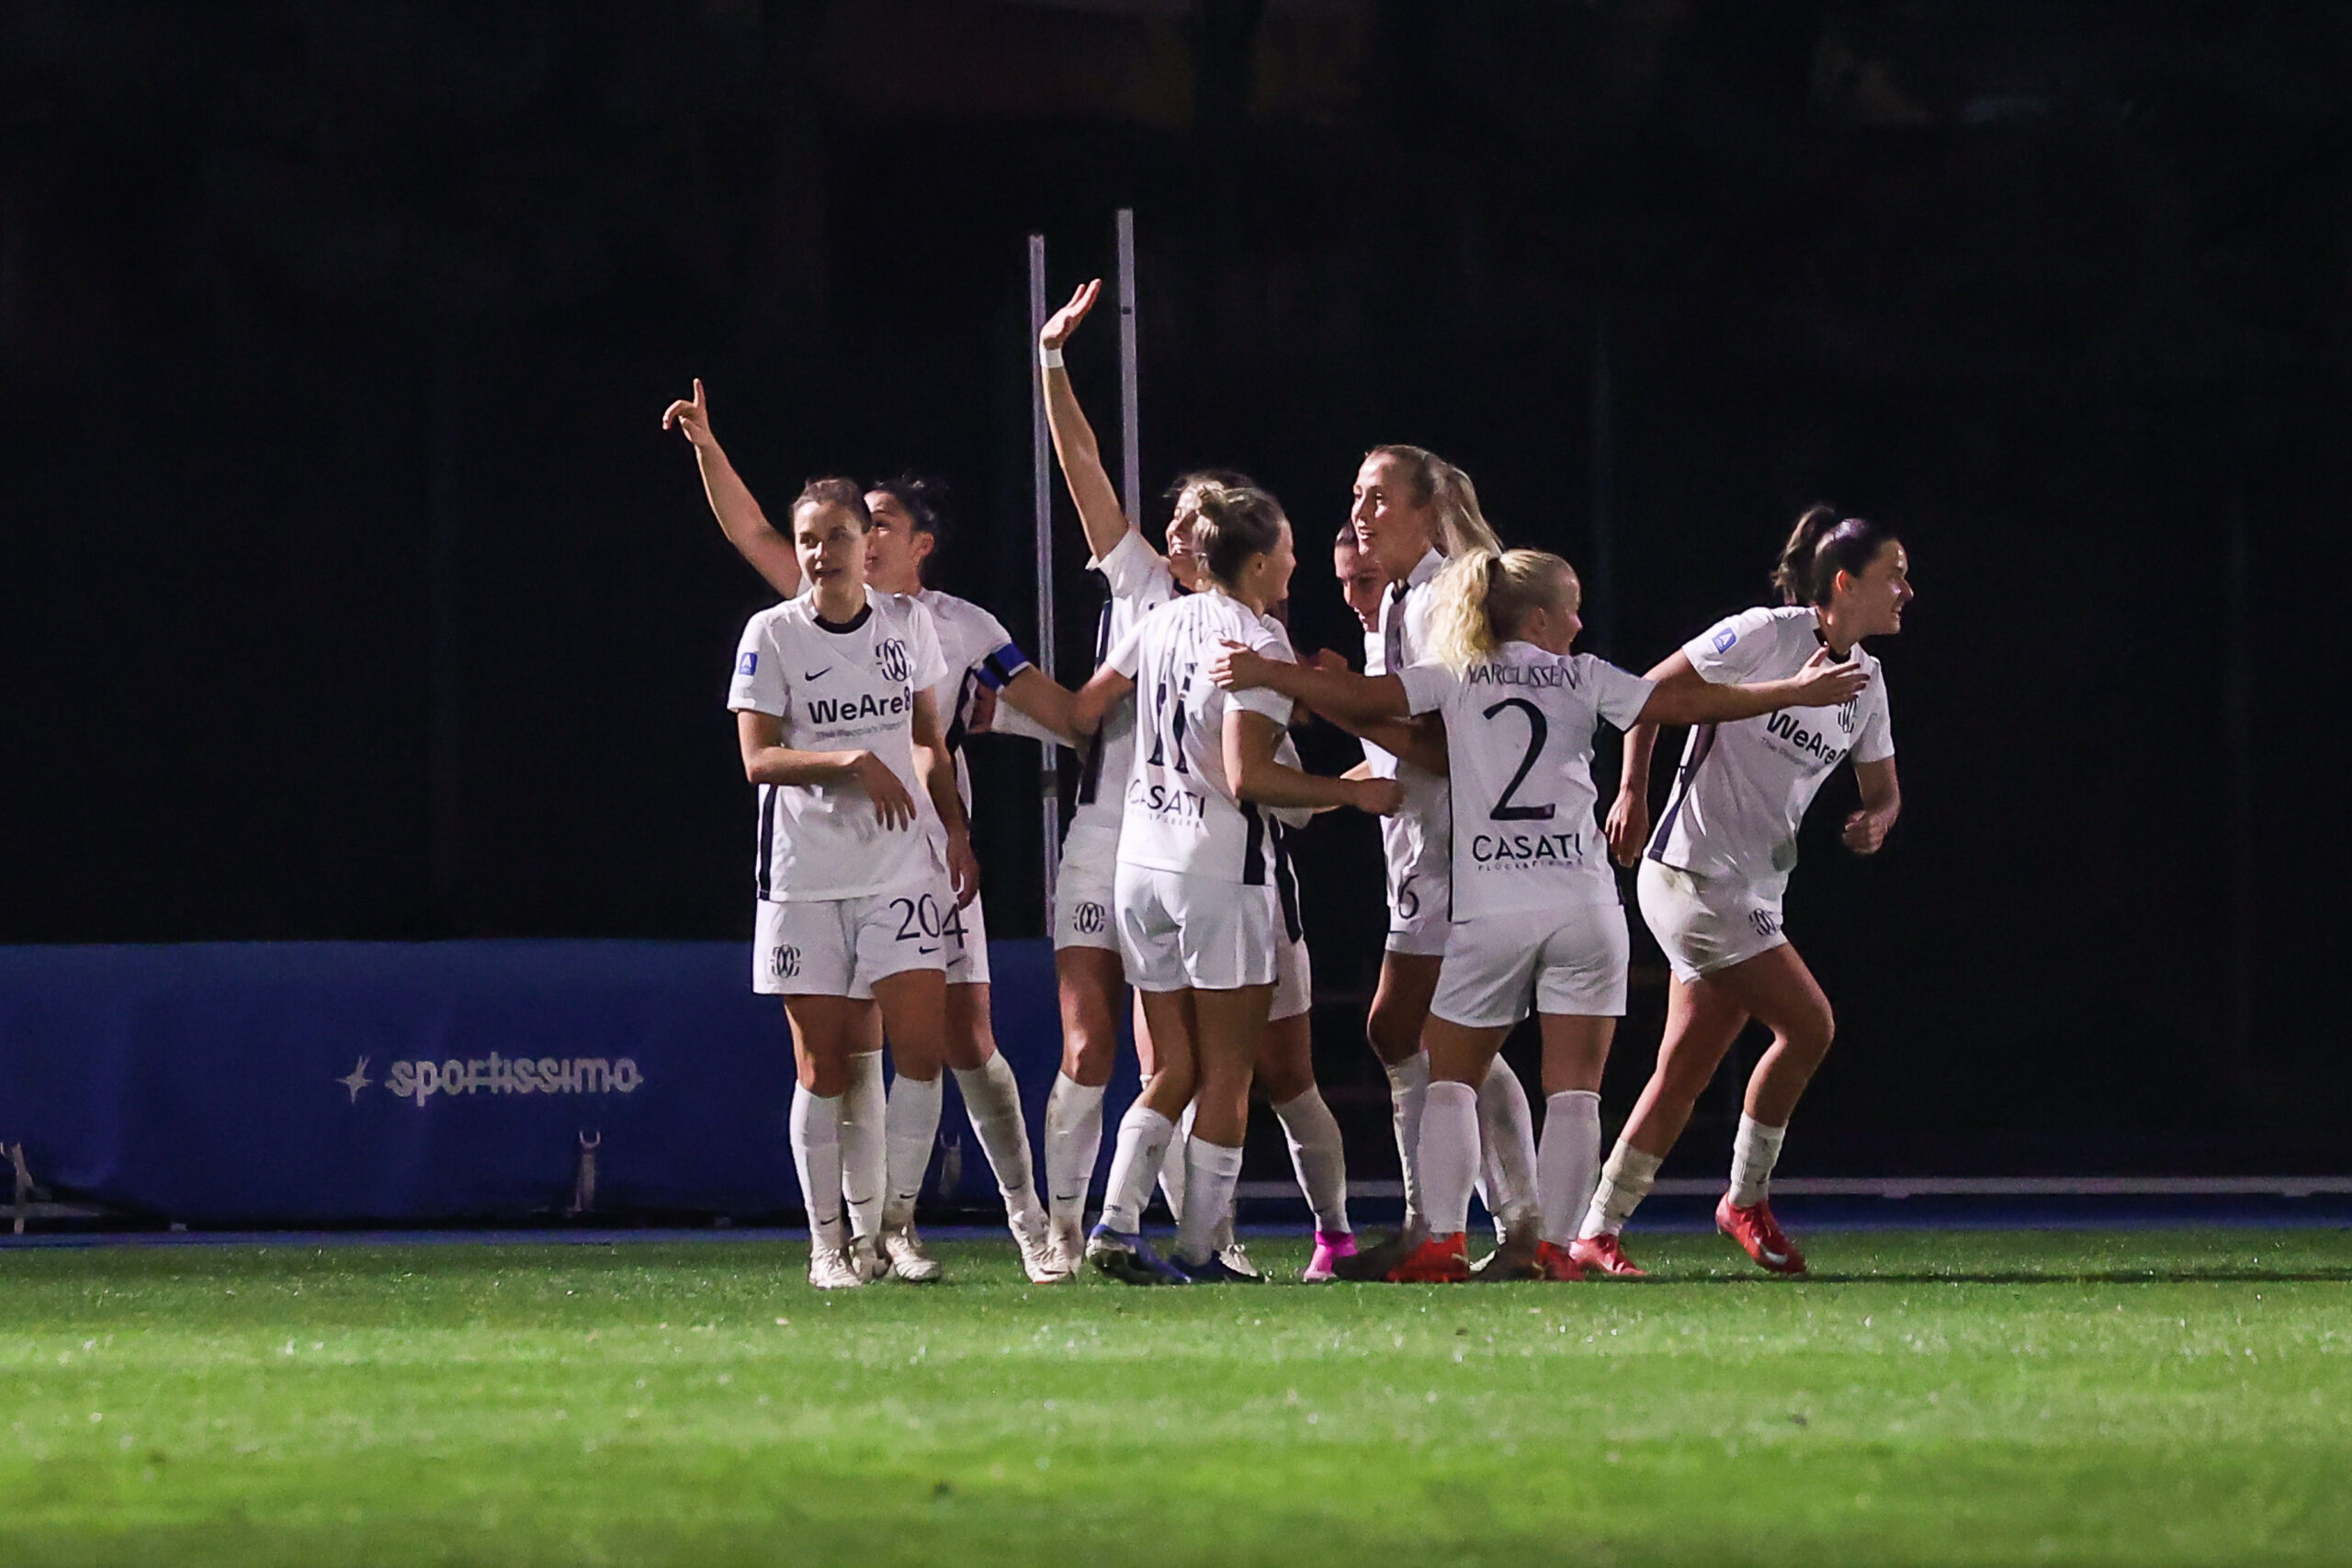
pixel 1391 1032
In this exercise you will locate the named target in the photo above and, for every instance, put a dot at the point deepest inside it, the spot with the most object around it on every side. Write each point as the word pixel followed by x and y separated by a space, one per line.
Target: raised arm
pixel 1074 443
pixel 1351 701
pixel 1682 696
pixel 1882 804
pixel 1251 740
pixel 936 763
pixel 1043 699
pixel 1098 696
pixel 768 760
pixel 740 517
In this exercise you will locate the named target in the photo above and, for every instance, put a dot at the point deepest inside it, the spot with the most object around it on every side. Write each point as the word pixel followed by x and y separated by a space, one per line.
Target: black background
pixel 351 590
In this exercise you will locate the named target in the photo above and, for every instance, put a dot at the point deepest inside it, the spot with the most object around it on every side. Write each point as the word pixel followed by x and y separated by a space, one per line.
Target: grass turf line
pixel 1929 1397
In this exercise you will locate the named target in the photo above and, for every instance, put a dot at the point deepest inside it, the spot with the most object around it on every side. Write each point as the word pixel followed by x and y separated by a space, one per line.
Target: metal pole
pixel 1041 474
pixel 1601 592
pixel 1130 416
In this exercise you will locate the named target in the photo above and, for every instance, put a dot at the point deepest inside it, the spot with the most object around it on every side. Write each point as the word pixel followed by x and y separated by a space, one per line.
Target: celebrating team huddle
pixel 855 694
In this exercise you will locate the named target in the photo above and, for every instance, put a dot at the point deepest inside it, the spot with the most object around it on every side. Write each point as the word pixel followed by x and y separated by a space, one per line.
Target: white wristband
pixel 1051 358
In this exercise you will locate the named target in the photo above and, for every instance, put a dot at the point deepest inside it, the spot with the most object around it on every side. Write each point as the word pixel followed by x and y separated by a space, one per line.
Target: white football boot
pixel 908 1259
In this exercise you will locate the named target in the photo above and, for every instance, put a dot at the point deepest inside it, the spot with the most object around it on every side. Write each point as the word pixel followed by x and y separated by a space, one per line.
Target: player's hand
pixel 1865 832
pixel 892 802
pixel 1628 828
pixel 691 417
pixel 963 868
pixel 1333 660
pixel 1825 682
pixel 1237 668
pixel 1064 322
pixel 1379 797
pixel 981 720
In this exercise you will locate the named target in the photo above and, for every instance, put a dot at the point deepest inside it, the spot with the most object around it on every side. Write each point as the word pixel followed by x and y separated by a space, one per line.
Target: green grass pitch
pixel 1929 1397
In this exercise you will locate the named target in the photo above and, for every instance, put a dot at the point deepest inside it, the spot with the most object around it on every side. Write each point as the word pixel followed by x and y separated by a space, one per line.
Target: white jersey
pixel 839 688
pixel 1519 733
pixel 978 652
pixel 1181 813
pixel 1743 787
pixel 1416 835
pixel 1139 582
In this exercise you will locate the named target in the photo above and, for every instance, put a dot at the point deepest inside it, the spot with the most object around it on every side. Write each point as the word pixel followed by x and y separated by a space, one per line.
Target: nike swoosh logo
pixel 926 950
pixel 814 673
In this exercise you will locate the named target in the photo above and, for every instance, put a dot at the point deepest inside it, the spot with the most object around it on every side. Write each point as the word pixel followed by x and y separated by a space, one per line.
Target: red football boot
pixel 1601 1255
pixel 1759 1234
pixel 1439 1260
pixel 1555 1263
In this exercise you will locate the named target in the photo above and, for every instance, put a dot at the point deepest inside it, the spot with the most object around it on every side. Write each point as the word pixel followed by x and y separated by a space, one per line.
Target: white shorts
pixel 1084 893
pixel 839 947
pixel 964 932
pixel 1574 967
pixel 1706 923
pixel 1294 979
pixel 1178 930
pixel 1420 900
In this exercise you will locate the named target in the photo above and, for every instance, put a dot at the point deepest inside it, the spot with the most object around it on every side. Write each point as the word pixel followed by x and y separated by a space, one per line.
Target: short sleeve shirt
pixel 1519 730
pixel 1182 813
pixel 1139 581
pixel 838 688
pixel 1744 787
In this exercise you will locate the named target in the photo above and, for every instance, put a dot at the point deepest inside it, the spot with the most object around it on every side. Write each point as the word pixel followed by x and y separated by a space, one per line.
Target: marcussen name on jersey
pixel 1497 674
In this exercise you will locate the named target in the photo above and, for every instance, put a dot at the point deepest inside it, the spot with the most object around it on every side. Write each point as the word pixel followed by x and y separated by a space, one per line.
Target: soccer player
pixel 983 663
pixel 1196 891
pixel 1411 510
pixel 1536 916
pixel 1713 874
pixel 1086 946
pixel 834 715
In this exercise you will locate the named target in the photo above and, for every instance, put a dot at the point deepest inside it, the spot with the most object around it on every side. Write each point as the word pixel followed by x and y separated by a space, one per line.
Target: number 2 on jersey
pixel 1538 731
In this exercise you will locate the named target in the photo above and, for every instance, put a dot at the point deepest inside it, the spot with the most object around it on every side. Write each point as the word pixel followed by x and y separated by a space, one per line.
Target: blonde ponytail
pixel 1460 526
pixel 1483 598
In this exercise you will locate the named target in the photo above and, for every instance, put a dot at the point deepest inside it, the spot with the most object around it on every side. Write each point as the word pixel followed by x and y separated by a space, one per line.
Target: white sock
pixel 1211 1172
pixel 1625 1182
pixel 1074 1142
pixel 817 1160
pixel 1754 1150
pixel 1172 1172
pixel 1569 1162
pixel 912 1122
pixel 1507 1143
pixel 1316 1154
pixel 1449 1156
pixel 992 1099
pixel 1135 1162
pixel 865 1164
pixel 1408 1082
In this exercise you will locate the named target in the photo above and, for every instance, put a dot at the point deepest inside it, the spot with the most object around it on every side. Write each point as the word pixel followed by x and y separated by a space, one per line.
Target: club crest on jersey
pixel 1847 712
pixel 892 657
pixel 1724 639
pixel 748 664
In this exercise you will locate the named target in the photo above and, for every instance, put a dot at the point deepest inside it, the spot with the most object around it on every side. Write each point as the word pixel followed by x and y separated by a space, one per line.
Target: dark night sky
pixel 351 590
